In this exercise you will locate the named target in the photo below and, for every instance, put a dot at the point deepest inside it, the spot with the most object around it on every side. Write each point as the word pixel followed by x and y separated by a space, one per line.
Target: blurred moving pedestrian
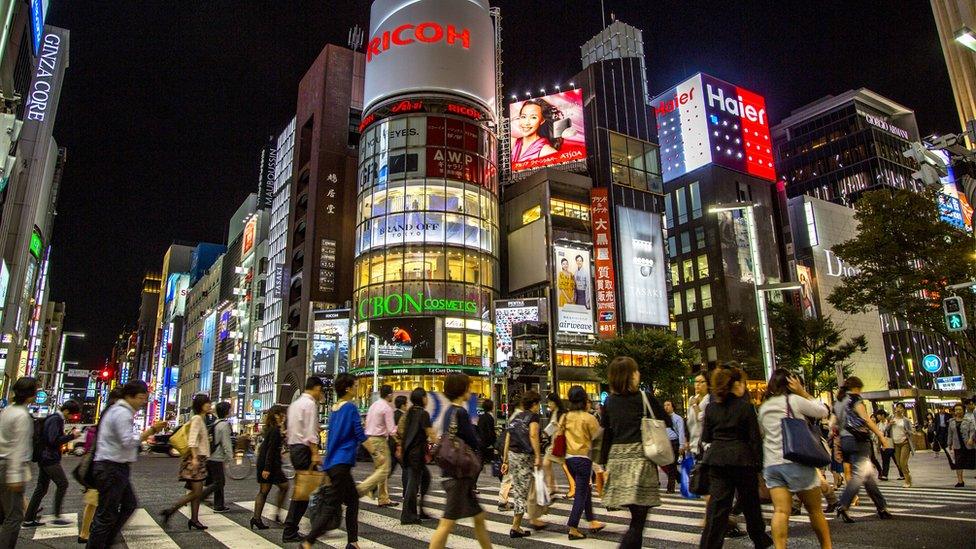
pixel 679 444
pixel 632 479
pixel 303 447
pixel 416 432
pixel 733 459
pixel 887 455
pixel 941 427
pixel 505 489
pixel 521 456
pixel 962 442
pixel 345 435
pixel 856 447
pixel 49 466
pixel 486 434
pixel 901 432
pixel 558 411
pixel 461 501
pixel 193 464
pixel 379 428
pixel 400 404
pixel 268 466
pixel 581 430
pixel 116 447
pixel 220 454
pixel 16 437
pixel 784 477
pixel 91 494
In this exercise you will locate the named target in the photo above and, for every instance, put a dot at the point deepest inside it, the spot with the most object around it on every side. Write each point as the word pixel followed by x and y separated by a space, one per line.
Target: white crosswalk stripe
pixel 143 531
pixel 49 531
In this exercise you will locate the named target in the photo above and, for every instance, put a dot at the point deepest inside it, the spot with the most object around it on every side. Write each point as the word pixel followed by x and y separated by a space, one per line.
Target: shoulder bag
pixel 854 423
pixel 800 445
pixel 559 442
pixel 654 437
pixel 454 456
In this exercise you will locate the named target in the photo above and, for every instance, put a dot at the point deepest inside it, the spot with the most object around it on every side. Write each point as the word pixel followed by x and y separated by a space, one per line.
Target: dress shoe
pixel 295 538
pixel 842 514
pixel 573 536
pixel 515 534
pixel 191 524
pixel 259 524
pixel 884 514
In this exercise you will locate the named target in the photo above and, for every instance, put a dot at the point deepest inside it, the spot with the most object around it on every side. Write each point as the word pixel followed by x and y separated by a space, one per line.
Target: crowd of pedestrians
pixel 739 443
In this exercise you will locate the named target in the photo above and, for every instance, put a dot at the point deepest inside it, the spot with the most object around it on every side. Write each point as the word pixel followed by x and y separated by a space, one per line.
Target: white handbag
pixel 654 437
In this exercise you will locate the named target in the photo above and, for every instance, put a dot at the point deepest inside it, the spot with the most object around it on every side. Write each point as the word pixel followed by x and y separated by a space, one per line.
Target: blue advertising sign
pixel 207 352
pixel 41 397
pixel 932 363
pixel 37 23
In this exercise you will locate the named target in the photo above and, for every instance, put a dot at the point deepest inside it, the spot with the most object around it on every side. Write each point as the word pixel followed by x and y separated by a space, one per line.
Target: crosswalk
pixel 676 523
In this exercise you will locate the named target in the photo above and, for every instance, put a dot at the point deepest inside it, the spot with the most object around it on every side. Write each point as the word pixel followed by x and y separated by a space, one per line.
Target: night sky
pixel 164 110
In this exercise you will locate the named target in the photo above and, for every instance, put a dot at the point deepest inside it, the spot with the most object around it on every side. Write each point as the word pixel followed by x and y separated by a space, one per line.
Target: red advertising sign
pixel 606 299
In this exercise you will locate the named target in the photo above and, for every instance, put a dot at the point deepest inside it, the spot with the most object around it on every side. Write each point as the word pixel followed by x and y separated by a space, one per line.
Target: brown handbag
pixel 306 483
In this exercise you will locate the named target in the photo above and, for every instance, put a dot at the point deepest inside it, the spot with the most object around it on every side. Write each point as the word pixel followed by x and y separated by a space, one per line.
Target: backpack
pixel 38 443
pixel 180 439
pixel 853 422
pixel 211 438
pixel 518 430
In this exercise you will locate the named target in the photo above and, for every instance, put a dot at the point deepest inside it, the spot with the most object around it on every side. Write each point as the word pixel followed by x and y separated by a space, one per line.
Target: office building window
pixel 678 309
pixel 532 214
pixel 696 207
pixel 672 247
pixel 706 296
pixel 681 204
pixel 709 321
pixel 565 208
pixel 668 213
pixel 693 330
pixel 685 242
pixel 691 300
pixel 702 266
pixel 700 237
pixel 675 279
pixel 635 163
pixel 680 329
pixel 712 354
pixel 688 268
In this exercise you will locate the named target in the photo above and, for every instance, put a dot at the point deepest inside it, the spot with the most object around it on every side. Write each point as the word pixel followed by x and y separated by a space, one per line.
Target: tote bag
pixel 654 437
pixel 800 445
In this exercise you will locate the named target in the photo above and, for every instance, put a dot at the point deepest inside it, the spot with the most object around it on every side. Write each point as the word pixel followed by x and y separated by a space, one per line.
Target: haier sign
pixel 704 120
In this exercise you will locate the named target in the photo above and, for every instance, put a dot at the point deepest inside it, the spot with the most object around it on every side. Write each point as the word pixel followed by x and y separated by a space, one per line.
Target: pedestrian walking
pixel 486 433
pixel 549 461
pixel 91 494
pixel 856 446
pixel 970 404
pixel 193 464
pixel 679 444
pixel 116 447
pixel 268 466
pixel 414 435
pixel 941 427
pixel 962 442
pixel 221 453
pixel 16 434
pixel 784 478
pixel 345 436
pixel 462 502
pixel 303 447
pixel 380 426
pixel 581 429
pixel 632 479
pixel 505 489
pixel 400 404
pixel 521 456
pixel 900 431
pixel 52 436
pixel 733 459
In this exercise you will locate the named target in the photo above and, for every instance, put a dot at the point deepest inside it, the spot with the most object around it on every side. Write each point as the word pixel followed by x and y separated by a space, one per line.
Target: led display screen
pixel 508 313
pixel 547 131
pixel 405 338
pixel 330 342
pixel 642 276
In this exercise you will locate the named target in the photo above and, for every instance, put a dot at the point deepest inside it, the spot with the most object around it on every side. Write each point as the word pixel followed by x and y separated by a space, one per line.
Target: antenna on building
pixel 355 38
pixel 603 14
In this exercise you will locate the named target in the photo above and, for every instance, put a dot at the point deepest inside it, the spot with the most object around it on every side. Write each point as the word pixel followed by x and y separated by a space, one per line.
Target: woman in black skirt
pixel 462 502
pixel 269 471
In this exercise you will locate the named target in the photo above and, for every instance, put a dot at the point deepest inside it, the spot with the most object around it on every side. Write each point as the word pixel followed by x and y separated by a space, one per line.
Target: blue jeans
pixel 580 468
pixel 862 473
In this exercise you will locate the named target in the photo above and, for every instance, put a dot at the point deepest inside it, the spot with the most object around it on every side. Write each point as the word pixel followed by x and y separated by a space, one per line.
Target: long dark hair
pixel 779 384
pixel 558 402
pixel 272 421
pixel 722 380
pixel 852 382
pixel 550 114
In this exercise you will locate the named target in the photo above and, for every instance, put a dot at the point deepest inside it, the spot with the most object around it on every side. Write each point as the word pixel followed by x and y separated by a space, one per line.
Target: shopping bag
pixel 654 437
pixel 324 507
pixel 542 498
pixel 687 464
pixel 306 482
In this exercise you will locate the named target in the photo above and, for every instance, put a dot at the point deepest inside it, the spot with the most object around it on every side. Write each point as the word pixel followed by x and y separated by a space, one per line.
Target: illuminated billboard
pixel 642 267
pixel 250 231
pixel 704 120
pixel 575 290
pixel 405 338
pixel 330 342
pixel 423 46
pixel 509 312
pixel 954 208
pixel 547 131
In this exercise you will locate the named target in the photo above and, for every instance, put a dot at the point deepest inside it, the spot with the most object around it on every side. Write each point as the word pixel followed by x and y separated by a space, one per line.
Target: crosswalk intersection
pixel 676 523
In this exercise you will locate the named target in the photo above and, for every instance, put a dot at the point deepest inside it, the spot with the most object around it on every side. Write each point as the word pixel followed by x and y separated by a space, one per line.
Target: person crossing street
pixel 49 468
pixel 380 426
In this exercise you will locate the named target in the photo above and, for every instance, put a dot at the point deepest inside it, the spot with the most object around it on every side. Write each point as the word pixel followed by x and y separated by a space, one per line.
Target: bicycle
pixel 245 462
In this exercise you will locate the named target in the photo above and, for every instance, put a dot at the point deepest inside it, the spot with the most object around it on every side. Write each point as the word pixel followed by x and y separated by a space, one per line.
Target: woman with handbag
pixel 521 456
pixel 962 442
pixel 268 470
pixel 345 435
pixel 632 479
pixel 193 467
pixel 580 430
pixel 732 459
pixel 461 501
pixel 414 432
pixel 856 427
pixel 553 430
pixel 784 476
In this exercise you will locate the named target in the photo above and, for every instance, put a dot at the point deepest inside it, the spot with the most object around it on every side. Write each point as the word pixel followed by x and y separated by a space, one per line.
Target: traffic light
pixel 955 314
pixel 106 374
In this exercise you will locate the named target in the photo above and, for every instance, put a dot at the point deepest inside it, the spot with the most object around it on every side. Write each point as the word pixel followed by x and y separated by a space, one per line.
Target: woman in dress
pixel 581 429
pixel 193 467
pixel 550 462
pixel 521 456
pixel 414 432
pixel 536 121
pixel 461 502
pixel 632 479
pixel 962 442
pixel 268 468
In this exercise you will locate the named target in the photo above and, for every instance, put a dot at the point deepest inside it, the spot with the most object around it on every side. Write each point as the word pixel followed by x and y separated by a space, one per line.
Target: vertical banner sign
pixel 574 285
pixel 606 300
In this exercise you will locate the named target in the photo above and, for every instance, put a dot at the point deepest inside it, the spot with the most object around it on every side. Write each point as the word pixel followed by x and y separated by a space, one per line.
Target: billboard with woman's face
pixel 547 131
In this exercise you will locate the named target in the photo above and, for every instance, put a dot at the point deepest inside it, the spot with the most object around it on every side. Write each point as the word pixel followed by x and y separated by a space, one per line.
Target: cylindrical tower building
pixel 427 243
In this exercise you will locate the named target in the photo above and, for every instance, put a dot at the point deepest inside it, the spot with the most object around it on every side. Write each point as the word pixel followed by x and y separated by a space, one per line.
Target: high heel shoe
pixel 166 514
pixel 191 524
pixel 260 525
pixel 842 514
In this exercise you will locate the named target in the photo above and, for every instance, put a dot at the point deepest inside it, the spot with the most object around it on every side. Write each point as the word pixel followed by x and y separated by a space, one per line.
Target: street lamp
pixel 966 37
pixel 747 213
pixel 59 376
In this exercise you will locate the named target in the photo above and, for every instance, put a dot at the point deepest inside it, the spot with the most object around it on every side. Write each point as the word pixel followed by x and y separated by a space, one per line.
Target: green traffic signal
pixel 954 321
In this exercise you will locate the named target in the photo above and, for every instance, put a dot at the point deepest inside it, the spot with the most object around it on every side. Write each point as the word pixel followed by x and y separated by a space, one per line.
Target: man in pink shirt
pixel 379 427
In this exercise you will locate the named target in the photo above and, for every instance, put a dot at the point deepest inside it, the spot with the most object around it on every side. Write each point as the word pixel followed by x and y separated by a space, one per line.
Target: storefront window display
pixel 592 388
pixel 404 384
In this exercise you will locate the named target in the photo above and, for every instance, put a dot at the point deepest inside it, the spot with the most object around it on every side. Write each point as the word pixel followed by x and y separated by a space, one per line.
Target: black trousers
pixel 725 483
pixel 887 455
pixel 48 473
pixel 116 503
pixel 301 459
pixel 344 488
pixel 672 469
pixel 416 487
pixel 216 481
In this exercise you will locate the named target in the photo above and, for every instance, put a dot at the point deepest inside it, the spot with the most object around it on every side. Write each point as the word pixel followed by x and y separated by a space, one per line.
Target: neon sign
pixel 428 33
pixel 406 304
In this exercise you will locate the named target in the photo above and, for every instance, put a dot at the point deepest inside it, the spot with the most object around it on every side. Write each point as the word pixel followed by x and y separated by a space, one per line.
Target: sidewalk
pixel 930 470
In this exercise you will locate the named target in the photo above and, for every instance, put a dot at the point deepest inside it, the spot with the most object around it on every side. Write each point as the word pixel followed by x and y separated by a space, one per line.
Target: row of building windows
pixel 434 196
pixel 430 228
pixel 686 206
pixel 692 300
pixel 425 264
pixel 558 207
pixel 576 357
pixel 687 271
pixel 635 163
pixel 686 241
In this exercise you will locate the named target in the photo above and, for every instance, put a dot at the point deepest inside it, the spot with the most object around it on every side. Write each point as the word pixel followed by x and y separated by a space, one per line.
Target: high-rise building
pixel 168 328
pixel 426 239
pixel 277 275
pixel 50 348
pixel 321 211
pixel 952 17
pixel 146 325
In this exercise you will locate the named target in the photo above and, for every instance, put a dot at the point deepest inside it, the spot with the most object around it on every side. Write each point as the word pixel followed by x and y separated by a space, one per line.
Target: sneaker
pixel 31 524
pixel 882 478
pixel 60 522
pixel 901 478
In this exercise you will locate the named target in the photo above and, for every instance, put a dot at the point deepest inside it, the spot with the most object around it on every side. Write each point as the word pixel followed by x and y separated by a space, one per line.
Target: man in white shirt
pixel 16 438
pixel 116 446
pixel 379 427
pixel 678 444
pixel 303 445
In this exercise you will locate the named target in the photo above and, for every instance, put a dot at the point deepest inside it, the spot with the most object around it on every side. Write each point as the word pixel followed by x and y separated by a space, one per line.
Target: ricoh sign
pixel 421 46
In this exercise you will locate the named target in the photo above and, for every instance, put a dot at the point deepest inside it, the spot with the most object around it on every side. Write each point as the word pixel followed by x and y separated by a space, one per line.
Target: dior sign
pixel 836 267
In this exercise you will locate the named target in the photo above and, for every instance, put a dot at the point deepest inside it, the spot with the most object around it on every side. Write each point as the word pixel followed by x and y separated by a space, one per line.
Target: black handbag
pixel 800 445
pixel 698 483
pixel 455 457
pixel 325 506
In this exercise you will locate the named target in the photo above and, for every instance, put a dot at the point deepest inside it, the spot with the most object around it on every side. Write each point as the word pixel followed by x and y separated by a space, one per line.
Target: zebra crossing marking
pixel 49 531
pixel 144 532
pixel 336 536
pixel 228 532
